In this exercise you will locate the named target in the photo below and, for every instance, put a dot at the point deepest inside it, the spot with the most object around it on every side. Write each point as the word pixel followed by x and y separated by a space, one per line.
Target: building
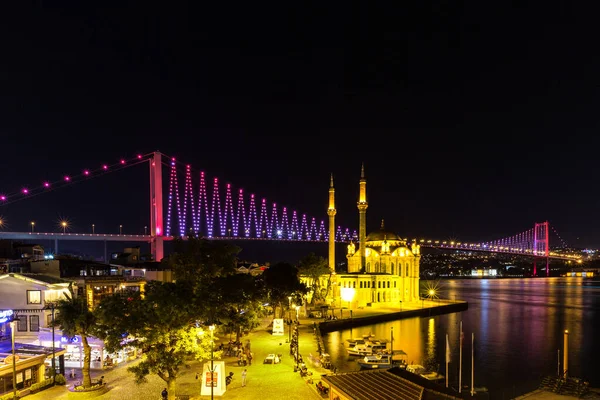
pixel 382 384
pixel 26 301
pixel 383 270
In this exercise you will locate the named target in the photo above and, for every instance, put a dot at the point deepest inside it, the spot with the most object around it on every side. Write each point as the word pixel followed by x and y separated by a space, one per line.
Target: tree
pixel 162 323
pixel 314 267
pixel 281 280
pixel 73 317
pixel 238 299
pixel 197 260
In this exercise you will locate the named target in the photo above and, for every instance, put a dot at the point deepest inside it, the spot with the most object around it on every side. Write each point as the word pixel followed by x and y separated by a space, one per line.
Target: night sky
pixel 473 122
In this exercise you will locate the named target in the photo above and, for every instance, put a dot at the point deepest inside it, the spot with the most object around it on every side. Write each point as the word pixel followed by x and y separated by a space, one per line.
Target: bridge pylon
pixel 541 247
pixel 156 207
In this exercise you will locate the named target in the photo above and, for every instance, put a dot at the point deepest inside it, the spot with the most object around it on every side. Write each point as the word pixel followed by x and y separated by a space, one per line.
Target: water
pixel 519 327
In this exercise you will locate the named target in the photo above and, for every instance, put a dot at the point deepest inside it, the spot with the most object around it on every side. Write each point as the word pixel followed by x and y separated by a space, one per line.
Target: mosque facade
pixel 383 268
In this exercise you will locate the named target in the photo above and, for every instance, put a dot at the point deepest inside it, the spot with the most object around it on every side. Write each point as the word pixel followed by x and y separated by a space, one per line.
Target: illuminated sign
pixel 66 339
pixel 6 315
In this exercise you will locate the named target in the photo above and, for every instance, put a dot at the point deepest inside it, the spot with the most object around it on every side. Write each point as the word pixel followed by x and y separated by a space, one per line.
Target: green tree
pixel 281 280
pixel 238 300
pixel 198 260
pixel 314 267
pixel 161 322
pixel 73 317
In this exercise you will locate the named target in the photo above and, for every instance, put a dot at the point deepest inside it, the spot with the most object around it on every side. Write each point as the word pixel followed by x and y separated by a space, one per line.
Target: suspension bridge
pixel 193 209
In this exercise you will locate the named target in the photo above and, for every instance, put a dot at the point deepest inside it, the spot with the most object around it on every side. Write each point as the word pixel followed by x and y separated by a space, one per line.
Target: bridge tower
pixel 156 207
pixel 541 247
pixel 331 211
pixel 362 223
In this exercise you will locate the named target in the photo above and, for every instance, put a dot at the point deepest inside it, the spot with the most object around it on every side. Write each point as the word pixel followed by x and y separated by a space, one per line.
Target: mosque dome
pixel 382 234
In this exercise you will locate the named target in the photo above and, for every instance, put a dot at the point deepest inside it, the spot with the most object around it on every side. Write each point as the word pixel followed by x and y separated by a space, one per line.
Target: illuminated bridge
pixel 196 205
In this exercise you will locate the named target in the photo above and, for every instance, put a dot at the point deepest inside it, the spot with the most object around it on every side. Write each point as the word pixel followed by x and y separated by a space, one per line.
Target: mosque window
pixel 354 285
pixel 388 284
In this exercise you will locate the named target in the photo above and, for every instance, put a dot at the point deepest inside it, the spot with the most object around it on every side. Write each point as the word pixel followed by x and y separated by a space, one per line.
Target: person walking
pixel 244 378
pixel 164 394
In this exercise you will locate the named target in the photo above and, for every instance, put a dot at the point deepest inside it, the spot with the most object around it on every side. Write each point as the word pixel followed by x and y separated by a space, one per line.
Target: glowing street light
pixel 120 229
pixel 212 368
pixel 93 228
pixel 1 223
pixel 64 225
pixel 14 358
pixel 32 226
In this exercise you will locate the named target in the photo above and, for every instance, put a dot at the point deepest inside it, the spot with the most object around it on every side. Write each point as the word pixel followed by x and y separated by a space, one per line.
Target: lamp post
pixel 212 368
pixel 51 305
pixel 93 228
pixel 32 226
pixel 120 229
pixel 14 360
pixel 64 226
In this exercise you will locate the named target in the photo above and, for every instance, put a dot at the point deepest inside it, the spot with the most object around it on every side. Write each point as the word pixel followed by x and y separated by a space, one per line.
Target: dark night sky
pixel 473 121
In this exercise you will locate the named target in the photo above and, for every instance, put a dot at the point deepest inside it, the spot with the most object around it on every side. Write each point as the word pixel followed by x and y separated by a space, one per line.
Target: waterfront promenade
pixel 264 381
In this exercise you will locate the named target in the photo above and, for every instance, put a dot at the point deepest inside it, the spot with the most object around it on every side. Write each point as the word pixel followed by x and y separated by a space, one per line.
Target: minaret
pixel 362 221
pixel 331 211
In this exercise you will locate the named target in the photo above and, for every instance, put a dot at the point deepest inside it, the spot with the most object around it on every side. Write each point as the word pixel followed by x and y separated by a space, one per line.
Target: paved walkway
pixel 264 381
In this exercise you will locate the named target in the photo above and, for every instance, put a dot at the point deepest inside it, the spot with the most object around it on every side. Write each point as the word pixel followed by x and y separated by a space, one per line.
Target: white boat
pixel 367 349
pixel 383 361
pixel 362 340
pixel 421 371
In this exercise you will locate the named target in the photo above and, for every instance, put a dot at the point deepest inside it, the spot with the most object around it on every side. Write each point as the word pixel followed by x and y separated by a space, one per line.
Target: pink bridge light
pixel 105 167
pixel 3 197
pixel 46 184
pixel 67 178
pixel 86 172
pixel 139 156
pixel 122 161
pixel 25 191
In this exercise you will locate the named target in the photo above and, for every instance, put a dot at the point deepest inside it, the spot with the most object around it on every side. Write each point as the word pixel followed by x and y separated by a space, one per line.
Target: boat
pixel 384 360
pixel 367 349
pixel 362 340
pixel 422 371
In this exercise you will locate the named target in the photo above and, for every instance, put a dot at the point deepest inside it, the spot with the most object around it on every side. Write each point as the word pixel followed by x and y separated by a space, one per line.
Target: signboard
pixel 278 326
pixel 212 381
pixel 66 339
pixel 217 382
pixel 6 315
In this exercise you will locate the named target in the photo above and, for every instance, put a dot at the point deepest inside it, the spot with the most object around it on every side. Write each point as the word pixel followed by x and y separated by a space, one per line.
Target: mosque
pixel 383 270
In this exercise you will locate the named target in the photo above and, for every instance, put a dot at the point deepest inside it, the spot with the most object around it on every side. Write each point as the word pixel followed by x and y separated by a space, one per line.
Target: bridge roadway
pixel 110 237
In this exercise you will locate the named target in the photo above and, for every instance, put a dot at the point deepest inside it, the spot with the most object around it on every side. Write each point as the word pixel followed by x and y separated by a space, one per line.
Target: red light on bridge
pixel 25 191
pixel 3 198
pixel 86 172
pixel 139 156
pixel 122 161
pixel 105 167
pixel 67 179
pixel 46 184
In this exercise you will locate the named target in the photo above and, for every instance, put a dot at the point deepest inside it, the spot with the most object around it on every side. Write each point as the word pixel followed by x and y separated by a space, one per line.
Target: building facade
pixel 383 269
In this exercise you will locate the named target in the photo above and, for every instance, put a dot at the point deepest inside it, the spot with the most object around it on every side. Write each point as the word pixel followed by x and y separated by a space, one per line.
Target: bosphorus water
pixel 519 327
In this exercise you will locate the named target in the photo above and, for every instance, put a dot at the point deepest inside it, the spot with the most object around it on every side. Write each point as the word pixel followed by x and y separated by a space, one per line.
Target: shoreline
pixel 369 316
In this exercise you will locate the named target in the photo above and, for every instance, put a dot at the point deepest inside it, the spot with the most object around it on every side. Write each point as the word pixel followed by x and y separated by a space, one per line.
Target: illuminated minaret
pixel 331 211
pixel 362 222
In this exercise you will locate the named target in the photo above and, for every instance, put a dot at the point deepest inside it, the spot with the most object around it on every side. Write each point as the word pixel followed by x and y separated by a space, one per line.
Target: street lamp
pixel 120 229
pixel 93 228
pixel 64 226
pixel 145 230
pixel 212 368
pixel 32 226
pixel 51 305
pixel 14 359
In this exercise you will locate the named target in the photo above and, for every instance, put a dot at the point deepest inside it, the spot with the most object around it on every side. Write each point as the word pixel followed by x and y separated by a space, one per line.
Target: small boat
pixel 383 360
pixel 367 349
pixel 362 340
pixel 421 371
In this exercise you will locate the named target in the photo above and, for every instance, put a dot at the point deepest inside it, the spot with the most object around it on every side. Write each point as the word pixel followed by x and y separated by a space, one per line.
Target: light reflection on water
pixel 518 326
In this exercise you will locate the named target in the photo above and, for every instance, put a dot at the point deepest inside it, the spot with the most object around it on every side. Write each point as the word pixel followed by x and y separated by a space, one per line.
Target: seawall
pixel 374 316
